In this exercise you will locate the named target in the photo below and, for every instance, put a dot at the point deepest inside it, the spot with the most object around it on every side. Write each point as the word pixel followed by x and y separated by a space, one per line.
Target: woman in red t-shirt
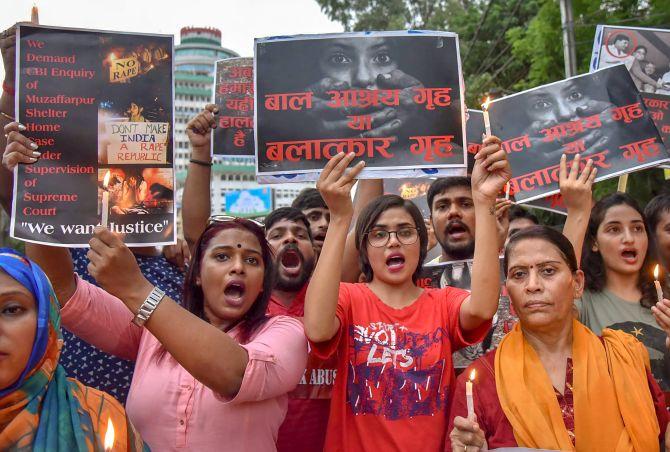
pixel 393 339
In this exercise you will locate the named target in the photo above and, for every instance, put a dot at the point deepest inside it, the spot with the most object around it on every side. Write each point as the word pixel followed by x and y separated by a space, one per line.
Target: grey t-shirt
pixel 600 310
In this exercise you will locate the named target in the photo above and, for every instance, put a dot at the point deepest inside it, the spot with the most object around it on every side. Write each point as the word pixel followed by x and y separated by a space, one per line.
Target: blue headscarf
pixel 43 410
pixel 31 277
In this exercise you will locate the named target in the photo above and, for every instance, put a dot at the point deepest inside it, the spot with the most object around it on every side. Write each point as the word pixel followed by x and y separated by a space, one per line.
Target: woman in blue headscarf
pixel 40 408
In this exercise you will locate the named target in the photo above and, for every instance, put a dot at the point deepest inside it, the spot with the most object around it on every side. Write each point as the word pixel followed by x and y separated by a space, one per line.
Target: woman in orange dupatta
pixel 551 383
pixel 40 408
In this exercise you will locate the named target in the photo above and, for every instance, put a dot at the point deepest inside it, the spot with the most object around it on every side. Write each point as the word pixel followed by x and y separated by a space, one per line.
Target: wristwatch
pixel 148 306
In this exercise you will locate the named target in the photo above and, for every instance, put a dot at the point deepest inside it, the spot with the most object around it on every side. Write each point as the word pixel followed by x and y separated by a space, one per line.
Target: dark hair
pixel 621 36
pixel 443 184
pixel 309 198
pixel 641 47
pixel 655 208
pixel 194 300
pixel 518 212
pixel 369 216
pixel 287 213
pixel 547 234
pixel 592 261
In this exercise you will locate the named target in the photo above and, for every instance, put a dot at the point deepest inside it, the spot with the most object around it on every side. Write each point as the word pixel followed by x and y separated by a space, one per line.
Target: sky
pixel 240 21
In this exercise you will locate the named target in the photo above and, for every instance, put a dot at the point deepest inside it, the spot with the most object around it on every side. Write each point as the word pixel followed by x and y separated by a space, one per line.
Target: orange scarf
pixel 613 407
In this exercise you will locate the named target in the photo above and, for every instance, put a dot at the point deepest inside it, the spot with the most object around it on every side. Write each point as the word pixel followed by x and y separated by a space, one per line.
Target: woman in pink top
pixel 211 377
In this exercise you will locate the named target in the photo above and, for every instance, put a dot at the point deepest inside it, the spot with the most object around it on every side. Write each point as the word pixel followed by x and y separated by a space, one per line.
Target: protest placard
pixel 552 203
pixel 251 203
pixel 393 98
pixel 234 95
pixel 414 190
pixel 659 110
pixel 100 106
pixel 598 115
pixel 474 131
pixel 644 51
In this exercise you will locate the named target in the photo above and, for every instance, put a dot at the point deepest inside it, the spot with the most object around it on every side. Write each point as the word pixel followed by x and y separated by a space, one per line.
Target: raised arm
pixel 8 49
pixel 196 202
pixel 489 175
pixel 335 183
pixel 367 191
pixel 576 190
pixel 57 264
pixel 209 354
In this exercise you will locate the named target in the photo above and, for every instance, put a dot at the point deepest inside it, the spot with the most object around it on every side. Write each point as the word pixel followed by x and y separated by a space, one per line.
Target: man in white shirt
pixel 616 52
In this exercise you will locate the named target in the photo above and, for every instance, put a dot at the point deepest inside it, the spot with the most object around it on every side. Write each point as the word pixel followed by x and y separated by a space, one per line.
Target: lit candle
pixel 468 393
pixel 487 121
pixel 105 200
pixel 109 436
pixel 659 291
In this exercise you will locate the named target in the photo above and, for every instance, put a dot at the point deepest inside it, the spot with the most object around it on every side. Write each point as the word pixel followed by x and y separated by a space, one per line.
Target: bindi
pixel 239 245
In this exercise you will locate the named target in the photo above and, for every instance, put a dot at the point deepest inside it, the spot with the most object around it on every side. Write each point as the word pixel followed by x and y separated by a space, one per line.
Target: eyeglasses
pixel 225 218
pixel 380 237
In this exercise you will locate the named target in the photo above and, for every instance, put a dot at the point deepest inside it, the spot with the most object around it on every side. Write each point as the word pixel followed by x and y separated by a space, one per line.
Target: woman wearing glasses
pixel 211 377
pixel 393 339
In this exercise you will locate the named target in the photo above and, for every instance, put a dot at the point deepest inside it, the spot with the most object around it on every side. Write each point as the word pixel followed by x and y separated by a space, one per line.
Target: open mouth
pixel 291 262
pixel 234 290
pixel 629 256
pixel 320 237
pixel 395 262
pixel 290 259
pixel 456 230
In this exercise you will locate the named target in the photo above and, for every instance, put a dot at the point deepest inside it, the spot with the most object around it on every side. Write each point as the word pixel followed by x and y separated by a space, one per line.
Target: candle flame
pixel 485 105
pixel 473 374
pixel 112 56
pixel 109 436
pixel 105 181
pixel 656 272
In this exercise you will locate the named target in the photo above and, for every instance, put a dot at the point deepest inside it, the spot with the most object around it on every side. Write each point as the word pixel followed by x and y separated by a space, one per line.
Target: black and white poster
pixel 600 115
pixel 644 51
pixel 393 98
pixel 100 107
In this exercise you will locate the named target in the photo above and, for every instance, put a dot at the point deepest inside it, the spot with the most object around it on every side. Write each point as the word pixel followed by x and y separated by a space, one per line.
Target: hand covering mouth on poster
pixel 393 98
pixel 600 115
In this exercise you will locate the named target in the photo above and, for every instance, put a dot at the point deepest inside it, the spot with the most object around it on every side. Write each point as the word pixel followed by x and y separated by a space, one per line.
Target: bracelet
pixel 8 89
pixel 5 115
pixel 148 306
pixel 201 162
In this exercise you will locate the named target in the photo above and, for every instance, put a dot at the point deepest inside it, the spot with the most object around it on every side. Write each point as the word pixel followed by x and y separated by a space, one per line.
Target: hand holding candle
pixel 487 121
pixel 105 200
pixel 468 393
pixel 659 290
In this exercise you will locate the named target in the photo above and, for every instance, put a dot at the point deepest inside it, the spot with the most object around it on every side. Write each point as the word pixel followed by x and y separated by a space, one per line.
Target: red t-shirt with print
pixel 394 372
pixel 304 428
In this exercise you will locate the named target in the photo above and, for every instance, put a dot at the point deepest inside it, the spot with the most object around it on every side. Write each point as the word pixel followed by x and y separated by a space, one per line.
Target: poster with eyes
pixel 395 99
pixel 600 115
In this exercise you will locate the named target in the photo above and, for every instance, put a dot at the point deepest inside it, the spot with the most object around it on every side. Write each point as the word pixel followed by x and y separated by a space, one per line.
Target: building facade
pixel 198 50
